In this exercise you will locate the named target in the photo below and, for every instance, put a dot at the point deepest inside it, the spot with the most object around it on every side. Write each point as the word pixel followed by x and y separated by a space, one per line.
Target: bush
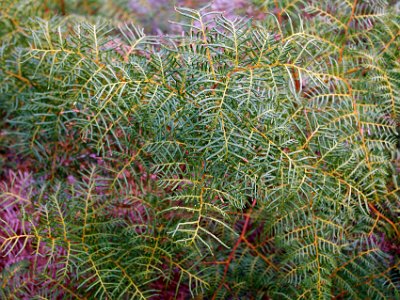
pixel 240 160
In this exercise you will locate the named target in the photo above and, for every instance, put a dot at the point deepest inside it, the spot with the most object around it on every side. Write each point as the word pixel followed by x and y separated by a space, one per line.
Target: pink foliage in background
pixel 159 17
pixel 19 246
pixel 15 198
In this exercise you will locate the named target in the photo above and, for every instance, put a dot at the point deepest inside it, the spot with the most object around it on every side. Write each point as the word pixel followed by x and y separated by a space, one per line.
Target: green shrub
pixel 238 161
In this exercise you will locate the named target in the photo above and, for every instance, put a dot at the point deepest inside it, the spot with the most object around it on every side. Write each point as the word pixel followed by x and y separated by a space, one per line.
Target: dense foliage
pixel 237 160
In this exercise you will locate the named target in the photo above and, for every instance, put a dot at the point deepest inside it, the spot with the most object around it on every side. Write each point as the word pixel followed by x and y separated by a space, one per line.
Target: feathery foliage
pixel 239 160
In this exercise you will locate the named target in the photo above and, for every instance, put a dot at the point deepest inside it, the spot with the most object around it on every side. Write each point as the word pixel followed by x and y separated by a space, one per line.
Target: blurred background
pixel 155 16
pixel 158 16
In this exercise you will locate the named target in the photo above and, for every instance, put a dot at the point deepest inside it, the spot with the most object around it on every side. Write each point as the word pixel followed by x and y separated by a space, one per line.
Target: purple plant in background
pixel 228 7
pixel 18 244
pixel 158 16
pixel 153 14
pixel 15 199
pixel 15 244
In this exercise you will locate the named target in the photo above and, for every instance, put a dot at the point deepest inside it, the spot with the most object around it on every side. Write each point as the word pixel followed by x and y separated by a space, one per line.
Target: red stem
pixel 232 254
